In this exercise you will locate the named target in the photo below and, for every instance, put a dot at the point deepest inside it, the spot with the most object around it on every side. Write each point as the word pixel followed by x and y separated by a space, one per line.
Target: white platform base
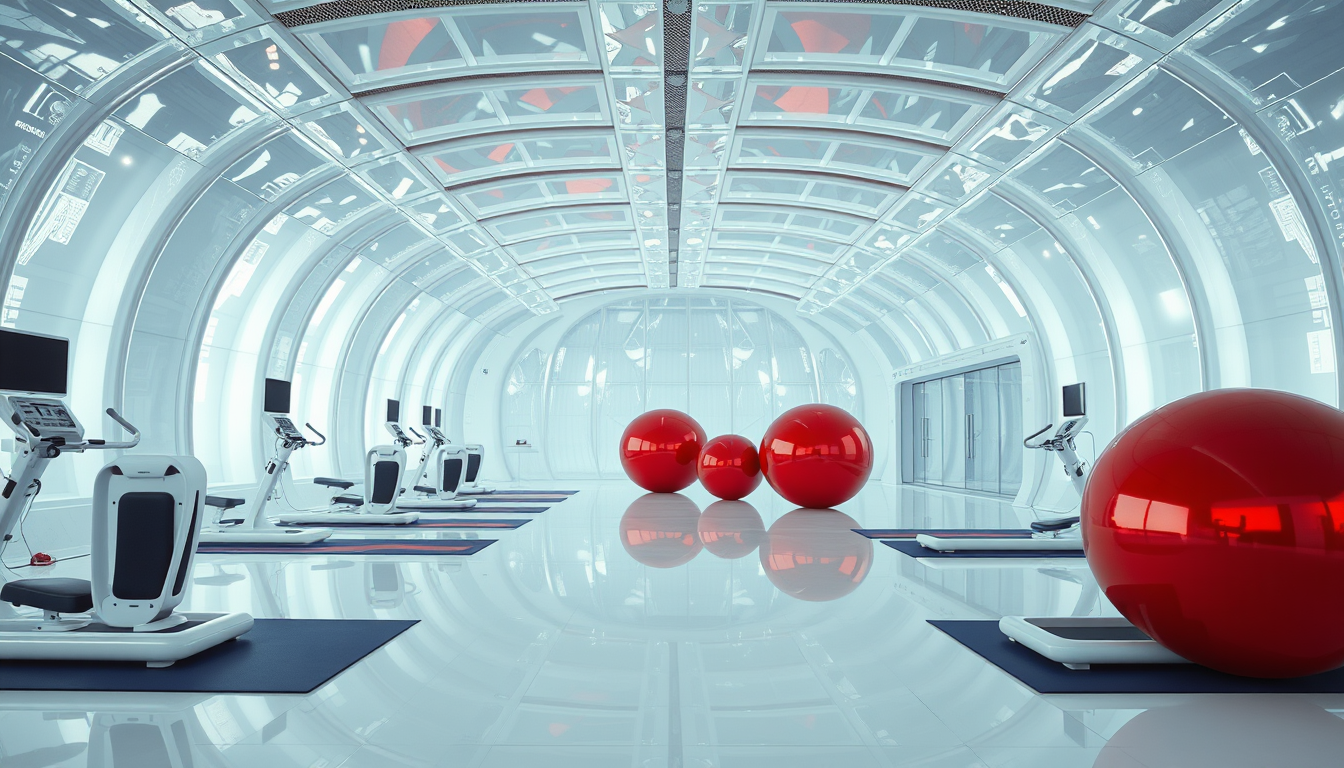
pixel 270 535
pixel 431 504
pixel 1035 634
pixel 474 490
pixel 157 649
pixel 359 518
pixel 950 544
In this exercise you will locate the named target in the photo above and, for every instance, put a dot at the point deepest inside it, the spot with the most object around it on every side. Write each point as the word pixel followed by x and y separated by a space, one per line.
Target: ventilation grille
pixel 676 65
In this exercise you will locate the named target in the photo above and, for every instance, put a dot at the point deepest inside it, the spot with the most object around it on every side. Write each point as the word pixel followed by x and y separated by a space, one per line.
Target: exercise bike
pixel 438 455
pixel 146 516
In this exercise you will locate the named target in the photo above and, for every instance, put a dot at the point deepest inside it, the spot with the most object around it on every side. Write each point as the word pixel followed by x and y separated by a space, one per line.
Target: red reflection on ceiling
pixel 400 41
pixel 500 153
pixel 587 186
pixel 975 32
pixel 810 99
pixel 830 32
pixel 545 98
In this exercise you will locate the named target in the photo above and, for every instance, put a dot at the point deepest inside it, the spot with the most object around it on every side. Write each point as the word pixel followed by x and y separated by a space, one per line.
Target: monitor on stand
pixel 426 415
pixel 276 399
pixel 1075 401
pixel 46 361
pixel 394 411
pixel 438 418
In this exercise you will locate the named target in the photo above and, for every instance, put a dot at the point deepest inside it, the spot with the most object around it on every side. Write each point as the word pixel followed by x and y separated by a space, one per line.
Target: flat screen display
pixel 1075 401
pixel 276 399
pixel 438 417
pixel 394 411
pixel 32 363
pixel 426 414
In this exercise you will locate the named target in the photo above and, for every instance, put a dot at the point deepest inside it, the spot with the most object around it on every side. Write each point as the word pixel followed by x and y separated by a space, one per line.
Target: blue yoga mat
pixel 969 533
pixel 421 524
pixel 353 547
pixel 519 499
pixel 276 656
pixel 523 492
pixel 1045 676
pixel 488 509
pixel 913 548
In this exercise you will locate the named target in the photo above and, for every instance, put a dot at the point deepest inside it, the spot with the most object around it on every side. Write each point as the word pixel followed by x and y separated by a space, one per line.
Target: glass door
pixel 955 447
pixel 966 430
pixel 1010 428
pixel 982 430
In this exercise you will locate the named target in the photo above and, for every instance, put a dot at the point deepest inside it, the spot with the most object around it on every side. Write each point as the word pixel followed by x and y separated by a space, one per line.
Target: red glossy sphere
pixel 729 467
pixel 816 456
pixel 731 529
pixel 814 555
pixel 1216 525
pixel 659 450
pixel 659 530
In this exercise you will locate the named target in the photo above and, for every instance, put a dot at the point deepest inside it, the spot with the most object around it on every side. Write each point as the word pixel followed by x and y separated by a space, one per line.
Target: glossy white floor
pixel 557 647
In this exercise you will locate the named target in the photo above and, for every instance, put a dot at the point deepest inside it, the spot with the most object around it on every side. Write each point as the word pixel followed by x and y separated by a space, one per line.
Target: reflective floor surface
pixel 660 632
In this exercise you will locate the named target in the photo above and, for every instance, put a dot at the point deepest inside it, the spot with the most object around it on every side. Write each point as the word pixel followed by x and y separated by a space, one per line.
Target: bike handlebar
pixel 104 445
pixel 315 432
pixel 1027 442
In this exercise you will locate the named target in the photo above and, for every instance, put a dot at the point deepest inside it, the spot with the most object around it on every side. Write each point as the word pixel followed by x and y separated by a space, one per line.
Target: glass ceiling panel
pixel 956 178
pixel 765 284
pixel 639 102
pixel 1008 136
pixel 710 103
pixel 596 276
pixel 346 134
pixel 437 213
pixel 994 54
pixel 470 159
pixel 917 212
pixel 633 36
pixel 1158 118
pixel 552 264
pixel 939 115
pixel 851 197
pixel 269 68
pixel 857 38
pixel 197 21
pixel 386 48
pixel 887 161
pixel 75 47
pixel 532 36
pixel 720 38
pixel 810 247
pixel 546 247
pixel 1273 49
pixel 442 112
pixel 278 163
pixel 397 177
pixel 467 242
pixel 398 242
pixel 334 205
pixel 189 109
pixel 1096 65
pixel 832 226
pixel 509 196
pixel 947 253
pixel 1064 177
pixel 529 226
pixel 997 220
pixel 1159 21
pixel 887 241
pixel 748 262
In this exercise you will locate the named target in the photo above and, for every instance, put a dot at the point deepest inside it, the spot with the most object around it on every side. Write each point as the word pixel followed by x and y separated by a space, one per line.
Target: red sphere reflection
pixel 813 554
pixel 659 450
pixel 816 456
pixel 1216 525
pixel 658 529
pixel 729 467
pixel 731 529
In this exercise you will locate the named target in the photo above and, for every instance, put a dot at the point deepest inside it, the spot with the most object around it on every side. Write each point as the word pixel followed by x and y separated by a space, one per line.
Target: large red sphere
pixel 814 554
pixel 816 456
pixel 659 450
pixel 729 467
pixel 1216 525
pixel 731 529
pixel 659 530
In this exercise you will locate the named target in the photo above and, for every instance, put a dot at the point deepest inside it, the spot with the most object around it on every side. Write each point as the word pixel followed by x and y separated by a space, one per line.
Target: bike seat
pixel 1048 526
pixel 355 501
pixel 224 502
pixel 426 489
pixel 50 595
pixel 334 482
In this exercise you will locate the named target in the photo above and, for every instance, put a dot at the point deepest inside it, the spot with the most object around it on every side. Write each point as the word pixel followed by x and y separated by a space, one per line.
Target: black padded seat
pixel 333 482
pixel 353 500
pixel 426 489
pixel 224 502
pixel 51 595
pixel 1047 526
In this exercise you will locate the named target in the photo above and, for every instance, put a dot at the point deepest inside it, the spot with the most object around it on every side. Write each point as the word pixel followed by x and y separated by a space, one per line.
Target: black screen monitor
pixel 394 411
pixel 438 418
pixel 33 363
pixel 276 399
pixel 426 415
pixel 1075 401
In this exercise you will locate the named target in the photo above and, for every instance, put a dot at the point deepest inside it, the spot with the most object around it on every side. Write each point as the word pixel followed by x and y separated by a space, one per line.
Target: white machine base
pixel 950 544
pixel 474 491
pixel 1079 642
pixel 426 504
pixel 357 518
pixel 273 535
pixel 98 643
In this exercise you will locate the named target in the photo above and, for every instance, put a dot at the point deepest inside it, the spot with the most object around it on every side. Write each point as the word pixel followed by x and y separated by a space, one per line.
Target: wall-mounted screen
pixel 1075 401
pixel 426 415
pixel 33 363
pixel 394 411
pixel 438 418
pixel 276 397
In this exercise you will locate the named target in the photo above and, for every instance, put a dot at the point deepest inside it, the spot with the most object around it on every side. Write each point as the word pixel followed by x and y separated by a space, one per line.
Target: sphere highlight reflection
pixel 814 555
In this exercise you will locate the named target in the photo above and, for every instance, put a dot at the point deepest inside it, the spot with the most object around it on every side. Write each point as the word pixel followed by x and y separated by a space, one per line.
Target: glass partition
pixel 965 430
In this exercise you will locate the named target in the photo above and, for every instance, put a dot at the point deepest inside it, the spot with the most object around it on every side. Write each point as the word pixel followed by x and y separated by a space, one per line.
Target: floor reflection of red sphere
pixel 813 554
pixel 659 530
pixel 731 529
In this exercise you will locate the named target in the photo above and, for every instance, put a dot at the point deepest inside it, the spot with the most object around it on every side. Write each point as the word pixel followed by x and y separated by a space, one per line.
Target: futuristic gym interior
pixel 714 384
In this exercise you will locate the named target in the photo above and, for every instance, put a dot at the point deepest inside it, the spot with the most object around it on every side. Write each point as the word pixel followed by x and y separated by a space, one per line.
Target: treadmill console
pixel 398 434
pixel 286 429
pixel 46 418
pixel 436 434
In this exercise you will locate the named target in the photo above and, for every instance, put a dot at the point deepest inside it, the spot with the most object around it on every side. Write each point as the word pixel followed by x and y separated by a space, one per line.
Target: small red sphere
pixel 814 554
pixel 729 467
pixel 659 450
pixel 816 456
pixel 1216 525
pixel 731 529
pixel 659 530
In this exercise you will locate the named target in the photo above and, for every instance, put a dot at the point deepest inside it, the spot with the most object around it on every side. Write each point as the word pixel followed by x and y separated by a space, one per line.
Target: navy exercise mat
pixel 421 524
pixel 488 509
pixel 353 547
pixel 1045 676
pixel 951 533
pixel 523 492
pixel 519 499
pixel 912 548
pixel 276 656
